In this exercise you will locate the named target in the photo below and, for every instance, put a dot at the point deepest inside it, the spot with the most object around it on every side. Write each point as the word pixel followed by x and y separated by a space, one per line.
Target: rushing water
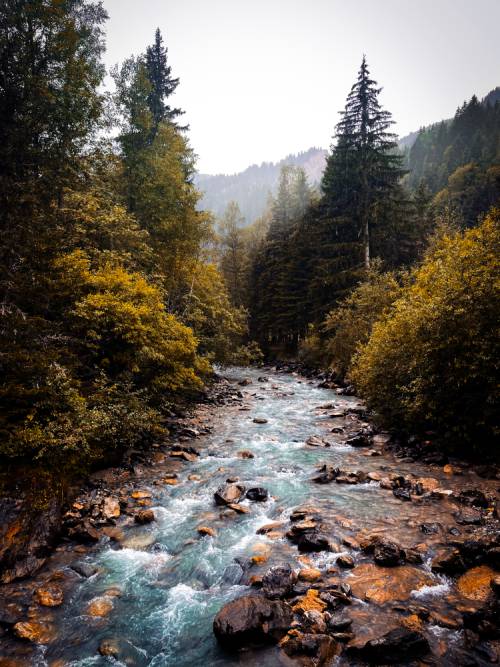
pixel 170 581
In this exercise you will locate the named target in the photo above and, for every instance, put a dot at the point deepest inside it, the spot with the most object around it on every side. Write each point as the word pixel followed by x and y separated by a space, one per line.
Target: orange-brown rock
pixel 246 454
pixel 139 494
pixel 171 481
pixel 100 606
pixel 206 530
pixel 310 602
pixel 34 631
pixel 49 596
pixel 269 527
pixel 387 584
pixel 412 622
pixel 475 584
pixel 309 574
pixel 240 509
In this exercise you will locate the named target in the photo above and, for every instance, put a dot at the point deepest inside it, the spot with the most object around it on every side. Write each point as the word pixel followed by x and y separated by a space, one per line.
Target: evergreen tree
pixel 163 85
pixel 364 167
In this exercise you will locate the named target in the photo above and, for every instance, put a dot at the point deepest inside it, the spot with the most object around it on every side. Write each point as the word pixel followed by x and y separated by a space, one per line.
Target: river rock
pixel 381 585
pixel 269 527
pixel 231 493
pixel 388 553
pixel 110 508
pixel 49 596
pixel 246 454
pixel 85 570
pixel 144 516
pixel 345 561
pixel 395 647
pixel 475 583
pixel 468 516
pixel 206 530
pixel 448 561
pixel 252 620
pixel 259 420
pixel 359 440
pixel 239 509
pixel 100 606
pixel 257 494
pixel 84 532
pixel 327 474
pixel 309 574
pixel 278 582
pixel 34 631
pixel 311 650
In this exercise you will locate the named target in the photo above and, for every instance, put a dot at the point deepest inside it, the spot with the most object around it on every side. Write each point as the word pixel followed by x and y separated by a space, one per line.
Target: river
pixel 164 583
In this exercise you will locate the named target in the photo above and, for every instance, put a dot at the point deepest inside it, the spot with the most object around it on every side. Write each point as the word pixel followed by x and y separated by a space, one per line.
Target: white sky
pixel 264 78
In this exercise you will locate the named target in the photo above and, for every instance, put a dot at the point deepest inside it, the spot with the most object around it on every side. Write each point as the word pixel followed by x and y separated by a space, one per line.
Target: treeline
pixel 376 277
pixel 459 160
pixel 110 306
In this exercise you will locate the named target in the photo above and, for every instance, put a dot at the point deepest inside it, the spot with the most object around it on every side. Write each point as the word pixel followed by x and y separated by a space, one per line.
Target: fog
pixel 264 78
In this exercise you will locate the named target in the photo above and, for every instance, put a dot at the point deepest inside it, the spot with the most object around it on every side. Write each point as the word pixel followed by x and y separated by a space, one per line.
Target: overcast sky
pixel 264 78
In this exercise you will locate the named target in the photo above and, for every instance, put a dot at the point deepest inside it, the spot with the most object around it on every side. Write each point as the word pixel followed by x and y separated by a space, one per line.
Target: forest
pixel 119 294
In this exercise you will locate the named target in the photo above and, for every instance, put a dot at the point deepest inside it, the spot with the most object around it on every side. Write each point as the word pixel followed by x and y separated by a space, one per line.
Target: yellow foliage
pixel 433 360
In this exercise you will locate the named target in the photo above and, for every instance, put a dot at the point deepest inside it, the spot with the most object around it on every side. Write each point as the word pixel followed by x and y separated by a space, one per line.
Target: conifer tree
pixel 163 84
pixel 363 168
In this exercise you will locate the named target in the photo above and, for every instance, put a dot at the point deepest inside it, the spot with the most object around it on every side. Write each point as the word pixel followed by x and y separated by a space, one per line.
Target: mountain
pixel 251 188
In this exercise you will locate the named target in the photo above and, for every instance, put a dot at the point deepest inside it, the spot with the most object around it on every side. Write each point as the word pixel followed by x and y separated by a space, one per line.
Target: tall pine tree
pixel 364 167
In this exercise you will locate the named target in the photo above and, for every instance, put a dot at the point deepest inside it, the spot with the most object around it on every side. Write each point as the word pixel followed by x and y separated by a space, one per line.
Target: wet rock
pixel 339 622
pixel 206 530
pixel 397 646
pixel 233 574
pixel 84 532
pixel 425 485
pixel 473 498
pixel 309 574
pixel 278 582
pixel 110 508
pixel 34 631
pixel 359 440
pixel 245 382
pixel 379 585
pixel 109 647
pixel 252 620
pixel 228 494
pixel 311 650
pixel 257 494
pixel 246 454
pixel 144 516
pixel 49 596
pixel 448 561
pixel 312 542
pixel 311 601
pixel 475 583
pixel 269 527
pixel 430 528
pixel 468 517
pixel 84 569
pixel 327 474
pixel 140 494
pixel 401 493
pixel 100 606
pixel 315 441
pixel 259 420
pixel 388 553
pixel 347 562
pixel 239 509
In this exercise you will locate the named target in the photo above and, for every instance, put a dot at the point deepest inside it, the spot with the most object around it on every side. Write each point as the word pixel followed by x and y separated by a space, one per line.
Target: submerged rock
pixel 252 620
pixel 144 516
pixel 49 596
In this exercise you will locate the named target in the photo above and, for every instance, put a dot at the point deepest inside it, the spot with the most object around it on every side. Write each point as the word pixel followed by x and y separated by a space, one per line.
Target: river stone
pixel 49 596
pixel 388 553
pixel 395 647
pixel 314 649
pixel 144 516
pixel 278 582
pixel 260 420
pixel 111 508
pixel 34 631
pixel 84 569
pixel 231 493
pixel 252 620
pixel 380 585
pixel 475 583
pixel 258 494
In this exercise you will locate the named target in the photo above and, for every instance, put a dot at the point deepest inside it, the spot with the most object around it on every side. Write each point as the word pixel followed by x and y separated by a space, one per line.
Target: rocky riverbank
pixel 313 538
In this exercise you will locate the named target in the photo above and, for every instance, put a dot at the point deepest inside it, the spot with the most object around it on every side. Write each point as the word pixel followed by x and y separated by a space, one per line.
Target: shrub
pixel 432 362
pixel 350 324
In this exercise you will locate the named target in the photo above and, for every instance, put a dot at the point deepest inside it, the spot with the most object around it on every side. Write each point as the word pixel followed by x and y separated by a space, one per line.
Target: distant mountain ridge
pixel 252 187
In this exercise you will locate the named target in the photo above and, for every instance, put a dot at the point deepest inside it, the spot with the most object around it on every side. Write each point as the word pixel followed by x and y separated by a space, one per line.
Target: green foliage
pixel 350 324
pixel 432 361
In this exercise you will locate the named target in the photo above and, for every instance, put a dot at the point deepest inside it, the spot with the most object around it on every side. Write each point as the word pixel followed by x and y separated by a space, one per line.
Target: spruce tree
pixel 364 167
pixel 163 85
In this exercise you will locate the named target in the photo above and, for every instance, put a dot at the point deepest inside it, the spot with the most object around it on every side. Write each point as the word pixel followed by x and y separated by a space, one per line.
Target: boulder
pixel 252 620
pixel 84 569
pixel 257 494
pixel 313 542
pixel 388 553
pixel 309 574
pixel 144 516
pixel 231 493
pixel 49 596
pixel 206 530
pixel 345 561
pixel 278 582
pixel 395 647
pixel 448 561
pixel 359 440
pixel 310 649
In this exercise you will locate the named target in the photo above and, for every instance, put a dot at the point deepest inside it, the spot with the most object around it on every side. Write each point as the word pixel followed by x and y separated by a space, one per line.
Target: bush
pixel 432 362
pixel 350 325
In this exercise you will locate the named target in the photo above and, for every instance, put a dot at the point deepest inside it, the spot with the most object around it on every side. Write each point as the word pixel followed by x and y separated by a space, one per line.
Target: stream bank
pixel 285 496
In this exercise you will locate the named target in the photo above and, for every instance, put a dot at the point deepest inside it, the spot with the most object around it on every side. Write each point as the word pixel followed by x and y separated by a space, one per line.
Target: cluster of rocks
pixel 309 622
